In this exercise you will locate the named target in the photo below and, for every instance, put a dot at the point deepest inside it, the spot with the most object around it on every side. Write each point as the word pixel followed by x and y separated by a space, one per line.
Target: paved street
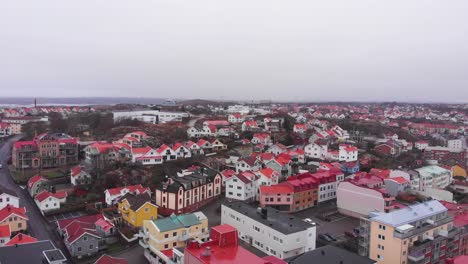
pixel 38 226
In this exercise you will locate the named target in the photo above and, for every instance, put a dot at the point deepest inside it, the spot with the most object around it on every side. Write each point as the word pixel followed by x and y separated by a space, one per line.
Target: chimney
pixel 207 252
pixel 20 236
pixel 8 207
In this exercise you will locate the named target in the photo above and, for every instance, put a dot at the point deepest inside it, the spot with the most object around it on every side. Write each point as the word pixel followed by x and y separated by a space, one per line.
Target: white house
pixel 181 151
pixel 348 153
pixel 328 183
pixel 455 144
pixel 316 151
pixel 8 198
pixel 269 230
pixel 300 128
pixel 114 194
pixel 78 176
pixel 241 186
pixel 277 149
pixel 250 125
pixel 421 144
pixel 194 148
pixel 236 118
pixel 266 177
pixel 261 138
pixel 47 201
pixel 434 177
pixel 166 152
pixel 248 164
pixel 146 155
pixel 193 132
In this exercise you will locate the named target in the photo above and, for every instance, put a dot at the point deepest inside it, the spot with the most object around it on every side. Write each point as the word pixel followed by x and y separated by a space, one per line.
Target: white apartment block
pixel 269 230
pixel 434 177
pixel 241 186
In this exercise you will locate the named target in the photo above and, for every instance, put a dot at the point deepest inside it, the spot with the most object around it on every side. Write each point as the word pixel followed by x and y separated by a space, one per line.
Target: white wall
pixel 283 245
pixel 358 201
pixel 6 199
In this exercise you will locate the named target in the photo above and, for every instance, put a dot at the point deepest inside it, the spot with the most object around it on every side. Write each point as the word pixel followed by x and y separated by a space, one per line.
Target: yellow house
pixel 136 208
pixel 172 231
pixel 459 171
pixel 14 217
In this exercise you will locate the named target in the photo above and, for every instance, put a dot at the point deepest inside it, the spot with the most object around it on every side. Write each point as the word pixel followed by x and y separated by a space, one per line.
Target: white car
pixel 0 166
pixel 308 220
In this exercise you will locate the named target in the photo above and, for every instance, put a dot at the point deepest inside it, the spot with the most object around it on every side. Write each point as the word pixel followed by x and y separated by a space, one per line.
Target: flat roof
pixel 330 254
pixel 31 253
pixel 411 213
pixel 279 221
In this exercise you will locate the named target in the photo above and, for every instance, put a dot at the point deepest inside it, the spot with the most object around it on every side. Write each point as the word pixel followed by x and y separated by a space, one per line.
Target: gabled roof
pixel 268 172
pixel 45 194
pixel 179 221
pixel 21 239
pixel 132 188
pixel 143 150
pixel 9 210
pixel 106 259
pixel 136 201
pixel 75 171
pixel 77 229
pixel 35 179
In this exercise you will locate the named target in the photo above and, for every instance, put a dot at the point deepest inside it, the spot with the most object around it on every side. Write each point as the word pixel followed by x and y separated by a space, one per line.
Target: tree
pixel 33 128
pixel 57 123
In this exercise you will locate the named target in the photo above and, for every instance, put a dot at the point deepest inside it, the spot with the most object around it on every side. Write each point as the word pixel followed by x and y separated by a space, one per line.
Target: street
pixel 38 226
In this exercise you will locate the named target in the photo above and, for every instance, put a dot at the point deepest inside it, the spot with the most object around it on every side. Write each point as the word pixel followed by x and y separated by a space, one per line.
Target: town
pixel 199 181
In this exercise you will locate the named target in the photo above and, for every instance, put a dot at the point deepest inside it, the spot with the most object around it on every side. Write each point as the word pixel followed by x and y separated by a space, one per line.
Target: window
pixel 85 238
pixel 79 249
pixel 174 244
pixel 166 246
pixel 174 234
pixel 91 246
pixel 166 235
pixel 20 225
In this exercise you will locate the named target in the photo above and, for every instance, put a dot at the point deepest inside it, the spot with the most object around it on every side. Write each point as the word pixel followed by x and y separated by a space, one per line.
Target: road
pixel 38 226
pixel 194 120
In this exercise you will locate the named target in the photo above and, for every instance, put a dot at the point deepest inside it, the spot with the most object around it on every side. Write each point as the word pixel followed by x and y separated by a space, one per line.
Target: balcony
pixel 416 256
pixel 425 227
pixel 183 238
pixel 143 243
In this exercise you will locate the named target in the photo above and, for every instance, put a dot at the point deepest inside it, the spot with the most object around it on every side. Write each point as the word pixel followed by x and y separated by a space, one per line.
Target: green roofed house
pixel 174 231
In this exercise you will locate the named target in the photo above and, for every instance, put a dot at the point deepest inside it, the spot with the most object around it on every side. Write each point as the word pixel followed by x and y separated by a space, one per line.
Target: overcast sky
pixel 346 50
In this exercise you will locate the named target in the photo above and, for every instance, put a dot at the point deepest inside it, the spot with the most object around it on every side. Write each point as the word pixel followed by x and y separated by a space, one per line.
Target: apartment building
pixel 420 233
pixel 434 177
pixel 47 150
pixel 269 230
pixel 159 236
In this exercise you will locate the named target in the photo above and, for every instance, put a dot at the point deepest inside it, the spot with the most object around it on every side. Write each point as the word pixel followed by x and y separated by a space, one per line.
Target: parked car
pixel 326 238
pixel 308 220
pixel 332 237
pixel 0 166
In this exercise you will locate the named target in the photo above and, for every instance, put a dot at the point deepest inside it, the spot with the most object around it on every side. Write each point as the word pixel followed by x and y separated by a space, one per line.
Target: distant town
pixel 203 181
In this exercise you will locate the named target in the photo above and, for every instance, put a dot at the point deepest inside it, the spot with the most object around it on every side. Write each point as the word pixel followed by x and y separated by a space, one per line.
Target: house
pixel 273 232
pixel 106 259
pixel 347 153
pixel 223 247
pixel 181 151
pixel 421 144
pixel 136 208
pixel 267 177
pixel 300 128
pixel 261 138
pixel 175 231
pixel 236 118
pixel 79 176
pixel 5 234
pixel 281 165
pixel 457 171
pixel 250 125
pixel 396 185
pixel 194 148
pixel 15 217
pixel 277 149
pixel 242 186
pixel 5 129
pixel 330 255
pixel 167 153
pixel 20 239
pixel 193 132
pixel 217 145
pixel 87 235
pixel 8 197
pixel 389 148
pixel 47 201
pixel 272 124
pixel 100 154
pixel 114 194
pixel 188 192
pixel 146 156
pixel 350 167
pixel 358 201
pixel 39 252
pixel 248 164
pixel 316 151
pixel 204 144
pixel 37 184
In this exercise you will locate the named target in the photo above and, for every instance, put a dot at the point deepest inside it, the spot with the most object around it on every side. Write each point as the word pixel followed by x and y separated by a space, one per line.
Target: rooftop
pixel 411 213
pixel 330 255
pixel 35 253
pixel 179 221
pixel 279 221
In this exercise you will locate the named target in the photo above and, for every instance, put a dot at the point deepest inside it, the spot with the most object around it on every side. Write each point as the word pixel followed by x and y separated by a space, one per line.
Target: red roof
pixel 75 171
pixel 251 123
pixel 21 239
pixel 460 220
pixel 45 194
pixel 9 210
pixel 278 188
pixel 106 259
pixel 132 188
pixel 267 172
pixel 141 150
pixel 399 180
pixel 20 144
pixel 105 225
pixel 35 179
pixel 5 231
pixel 102 147
pixel 227 173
